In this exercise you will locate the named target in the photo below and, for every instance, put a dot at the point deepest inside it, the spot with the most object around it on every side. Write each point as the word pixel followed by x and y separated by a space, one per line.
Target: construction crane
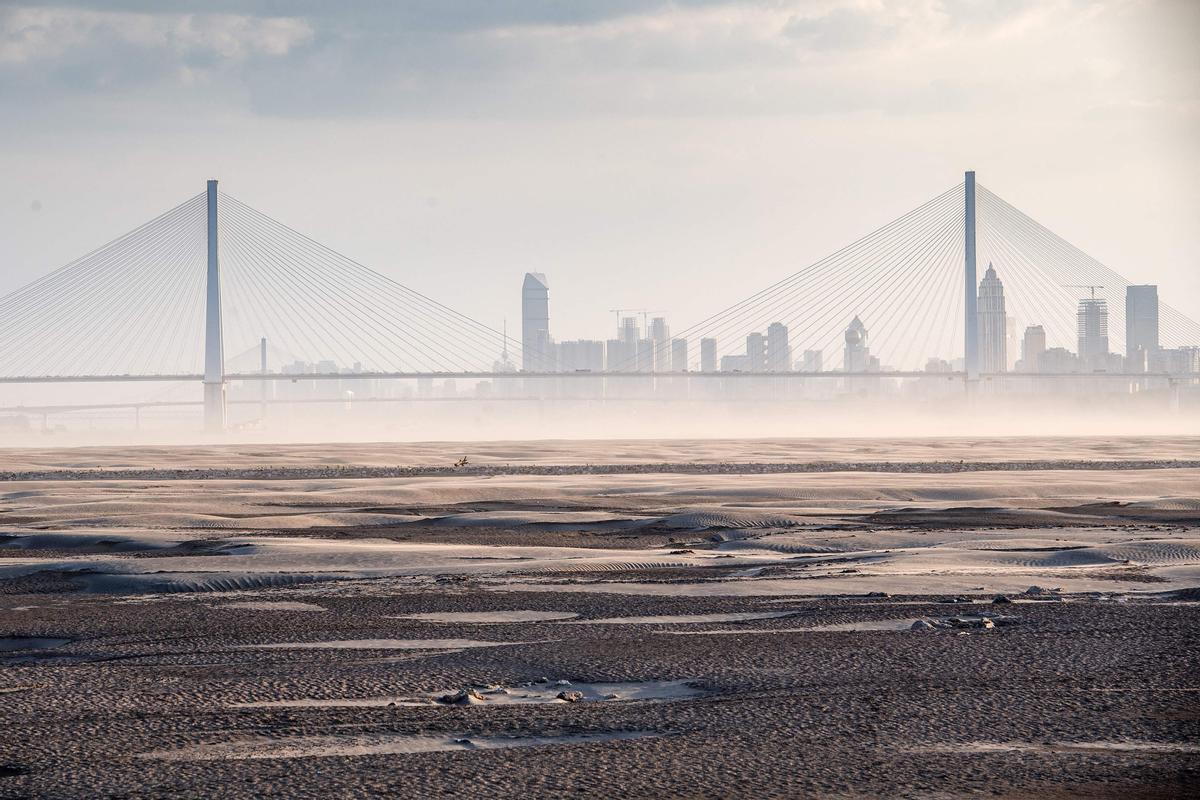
pixel 642 311
pixel 1092 287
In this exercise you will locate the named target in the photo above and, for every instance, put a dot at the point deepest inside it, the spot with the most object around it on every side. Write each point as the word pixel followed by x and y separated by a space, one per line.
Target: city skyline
pixel 889 283
pixel 747 170
pixel 893 284
pixel 639 399
pixel 648 347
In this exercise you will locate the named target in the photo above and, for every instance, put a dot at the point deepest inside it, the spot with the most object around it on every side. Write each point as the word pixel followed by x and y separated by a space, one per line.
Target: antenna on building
pixel 1092 287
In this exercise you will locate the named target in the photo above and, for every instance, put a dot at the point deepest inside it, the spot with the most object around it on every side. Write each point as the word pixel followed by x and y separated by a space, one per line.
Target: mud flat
pixel 359 620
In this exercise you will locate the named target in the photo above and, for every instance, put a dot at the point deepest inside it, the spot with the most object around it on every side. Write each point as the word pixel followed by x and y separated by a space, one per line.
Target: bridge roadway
pixel 273 376
pixel 138 407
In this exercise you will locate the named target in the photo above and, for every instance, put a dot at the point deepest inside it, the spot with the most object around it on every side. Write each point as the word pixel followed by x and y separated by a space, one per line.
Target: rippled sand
pixel 249 630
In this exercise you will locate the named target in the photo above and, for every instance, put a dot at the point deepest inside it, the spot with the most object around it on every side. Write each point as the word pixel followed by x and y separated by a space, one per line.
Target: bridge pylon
pixel 971 317
pixel 214 347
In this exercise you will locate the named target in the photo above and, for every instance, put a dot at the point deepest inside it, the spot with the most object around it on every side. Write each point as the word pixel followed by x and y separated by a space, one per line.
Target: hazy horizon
pixel 640 154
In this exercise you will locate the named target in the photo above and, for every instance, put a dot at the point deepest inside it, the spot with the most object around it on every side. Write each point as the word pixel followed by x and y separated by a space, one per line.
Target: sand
pixel 736 617
pixel 603 452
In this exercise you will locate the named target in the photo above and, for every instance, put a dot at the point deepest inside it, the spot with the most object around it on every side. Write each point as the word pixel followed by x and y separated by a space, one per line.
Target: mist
pixel 787 408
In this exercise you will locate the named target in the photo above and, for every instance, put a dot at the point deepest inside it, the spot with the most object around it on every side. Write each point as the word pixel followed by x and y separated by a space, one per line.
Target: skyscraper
pixel 659 331
pixel 708 355
pixel 856 357
pixel 679 355
pixel 756 352
pixel 660 334
pixel 616 356
pixel 581 356
pixel 1141 323
pixel 645 355
pixel 1012 346
pixel 535 323
pixel 813 361
pixel 629 332
pixel 1032 347
pixel 621 353
pixel 1093 333
pixel 993 333
pixel 779 352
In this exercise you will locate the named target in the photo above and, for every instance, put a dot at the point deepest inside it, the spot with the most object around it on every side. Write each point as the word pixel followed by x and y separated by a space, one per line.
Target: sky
pixel 671 156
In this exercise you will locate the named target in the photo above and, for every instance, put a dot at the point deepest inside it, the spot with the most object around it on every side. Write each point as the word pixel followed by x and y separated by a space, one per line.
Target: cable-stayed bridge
pixel 211 289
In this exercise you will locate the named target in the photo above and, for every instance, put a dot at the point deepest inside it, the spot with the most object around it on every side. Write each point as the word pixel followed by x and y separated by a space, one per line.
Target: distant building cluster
pixel 644 347
pixel 1093 352
pixel 645 344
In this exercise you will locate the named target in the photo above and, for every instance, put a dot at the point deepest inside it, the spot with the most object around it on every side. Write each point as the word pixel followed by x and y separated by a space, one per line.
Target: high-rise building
pixel 659 331
pixel 993 324
pixel 1092 319
pixel 535 323
pixel 935 364
pixel 779 352
pixel 736 363
pixel 660 334
pixel 756 352
pixel 645 355
pixel 1032 347
pixel 629 330
pixel 583 355
pixel 1058 359
pixel 621 353
pixel 812 361
pixel 1011 346
pixel 1141 324
pixel 1177 360
pixel 708 355
pixel 856 357
pixel 618 356
pixel 679 355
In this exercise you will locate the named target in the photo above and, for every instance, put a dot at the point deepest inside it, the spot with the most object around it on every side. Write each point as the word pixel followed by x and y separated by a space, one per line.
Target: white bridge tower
pixel 214 348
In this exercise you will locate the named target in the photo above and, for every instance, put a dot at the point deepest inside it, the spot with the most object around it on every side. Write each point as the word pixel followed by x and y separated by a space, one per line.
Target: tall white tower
pixel 856 357
pixel 971 329
pixel 535 324
pixel 214 347
pixel 993 324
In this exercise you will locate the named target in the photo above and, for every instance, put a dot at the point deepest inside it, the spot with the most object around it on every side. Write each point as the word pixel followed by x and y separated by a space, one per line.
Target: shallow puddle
pixel 685 619
pixel 379 644
pixel 374 744
pixel 538 692
pixel 868 625
pixel 9 644
pixel 489 617
pixel 1067 747
pixel 272 605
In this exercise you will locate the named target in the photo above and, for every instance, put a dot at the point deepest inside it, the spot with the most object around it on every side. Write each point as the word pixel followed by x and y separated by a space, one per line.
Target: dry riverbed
pixel 1024 630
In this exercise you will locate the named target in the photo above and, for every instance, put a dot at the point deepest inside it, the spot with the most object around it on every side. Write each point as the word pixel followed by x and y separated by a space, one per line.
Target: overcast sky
pixel 665 155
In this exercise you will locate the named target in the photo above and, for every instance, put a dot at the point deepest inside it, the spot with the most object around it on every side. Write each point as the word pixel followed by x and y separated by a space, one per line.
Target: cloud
pixel 50 52
pixel 535 58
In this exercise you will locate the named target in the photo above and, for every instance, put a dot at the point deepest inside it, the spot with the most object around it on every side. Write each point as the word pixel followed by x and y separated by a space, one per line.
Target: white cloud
pixel 30 35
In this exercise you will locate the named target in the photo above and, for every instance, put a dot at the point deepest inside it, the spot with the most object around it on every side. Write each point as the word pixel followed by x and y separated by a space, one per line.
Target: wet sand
pixel 672 631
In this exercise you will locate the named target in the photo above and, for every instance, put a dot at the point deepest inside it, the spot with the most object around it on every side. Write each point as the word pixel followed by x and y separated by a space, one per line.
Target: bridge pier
pixel 262 389
pixel 214 348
